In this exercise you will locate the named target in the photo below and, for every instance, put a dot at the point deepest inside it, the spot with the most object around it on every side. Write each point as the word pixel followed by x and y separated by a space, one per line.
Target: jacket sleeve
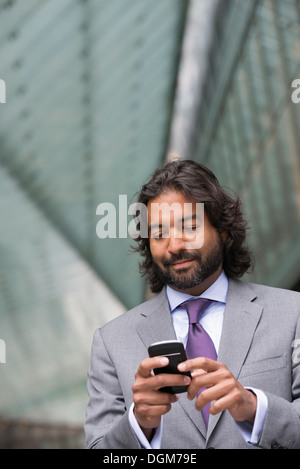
pixel 107 425
pixel 282 425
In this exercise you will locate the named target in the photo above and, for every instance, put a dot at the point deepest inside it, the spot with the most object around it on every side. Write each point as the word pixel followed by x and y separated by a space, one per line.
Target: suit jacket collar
pixel 241 317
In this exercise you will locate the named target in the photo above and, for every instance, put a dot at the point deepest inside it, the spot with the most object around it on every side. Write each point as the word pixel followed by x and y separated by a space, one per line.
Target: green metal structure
pixel 248 127
pixel 89 96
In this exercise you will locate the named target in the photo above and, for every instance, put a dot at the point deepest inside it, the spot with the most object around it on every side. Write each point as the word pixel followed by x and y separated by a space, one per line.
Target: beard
pixel 204 267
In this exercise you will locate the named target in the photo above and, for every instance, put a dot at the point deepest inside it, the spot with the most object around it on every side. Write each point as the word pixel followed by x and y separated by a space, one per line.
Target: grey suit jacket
pixel 259 329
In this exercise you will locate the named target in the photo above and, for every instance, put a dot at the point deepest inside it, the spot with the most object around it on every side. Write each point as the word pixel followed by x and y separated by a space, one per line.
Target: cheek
pixel 153 249
pixel 157 252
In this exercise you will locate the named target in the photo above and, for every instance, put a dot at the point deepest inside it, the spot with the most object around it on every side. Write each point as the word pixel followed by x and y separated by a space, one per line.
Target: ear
pixel 224 235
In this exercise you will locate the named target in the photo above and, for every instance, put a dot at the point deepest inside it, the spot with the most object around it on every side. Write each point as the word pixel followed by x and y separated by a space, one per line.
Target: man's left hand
pixel 221 387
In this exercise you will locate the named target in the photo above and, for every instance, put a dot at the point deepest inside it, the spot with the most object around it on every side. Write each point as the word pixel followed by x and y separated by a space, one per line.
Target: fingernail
pixel 164 361
pixel 187 380
pixel 181 366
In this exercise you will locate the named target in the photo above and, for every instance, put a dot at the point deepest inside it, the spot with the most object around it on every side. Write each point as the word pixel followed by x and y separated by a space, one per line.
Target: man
pixel 251 386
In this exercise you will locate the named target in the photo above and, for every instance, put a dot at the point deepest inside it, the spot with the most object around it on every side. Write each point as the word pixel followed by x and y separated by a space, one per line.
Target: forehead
pixel 172 205
pixel 171 196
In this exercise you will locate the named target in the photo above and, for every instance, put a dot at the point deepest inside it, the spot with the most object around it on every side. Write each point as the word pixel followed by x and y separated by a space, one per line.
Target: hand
pixel 221 387
pixel 150 403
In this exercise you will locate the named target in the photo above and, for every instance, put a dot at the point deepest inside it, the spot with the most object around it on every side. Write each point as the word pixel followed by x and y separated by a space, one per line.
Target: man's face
pixel 176 261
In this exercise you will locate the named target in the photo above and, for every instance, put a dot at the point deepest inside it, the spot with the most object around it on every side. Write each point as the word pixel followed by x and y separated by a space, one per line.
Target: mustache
pixel 181 256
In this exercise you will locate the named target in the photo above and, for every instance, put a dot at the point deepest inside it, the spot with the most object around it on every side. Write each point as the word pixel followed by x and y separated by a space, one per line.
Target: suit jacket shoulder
pixel 132 316
pixel 276 298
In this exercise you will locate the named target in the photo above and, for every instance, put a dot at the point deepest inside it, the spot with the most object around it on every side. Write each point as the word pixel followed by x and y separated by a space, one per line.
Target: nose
pixel 175 244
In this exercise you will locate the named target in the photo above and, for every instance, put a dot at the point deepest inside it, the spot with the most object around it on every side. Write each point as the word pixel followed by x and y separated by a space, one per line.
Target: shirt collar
pixel 217 292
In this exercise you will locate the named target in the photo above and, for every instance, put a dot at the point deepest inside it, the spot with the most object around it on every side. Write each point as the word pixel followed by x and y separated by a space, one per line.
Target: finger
pixel 223 402
pixel 153 383
pixel 198 373
pixel 150 412
pixel 147 365
pixel 149 416
pixel 201 381
pixel 168 379
pixel 220 405
pixel 204 363
pixel 219 395
pixel 163 398
pixel 210 379
pixel 154 398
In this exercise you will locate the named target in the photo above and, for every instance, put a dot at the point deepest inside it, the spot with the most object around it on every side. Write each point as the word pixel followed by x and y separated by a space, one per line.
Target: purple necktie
pixel 199 343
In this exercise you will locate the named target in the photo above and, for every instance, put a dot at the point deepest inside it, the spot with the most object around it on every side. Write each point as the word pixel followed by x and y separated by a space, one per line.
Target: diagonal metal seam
pixel 182 32
pixel 31 187
pixel 196 46
pixel 40 207
pixel 88 156
pixel 210 122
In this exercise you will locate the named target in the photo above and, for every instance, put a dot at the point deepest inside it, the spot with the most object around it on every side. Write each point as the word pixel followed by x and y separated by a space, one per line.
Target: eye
pixel 190 228
pixel 157 235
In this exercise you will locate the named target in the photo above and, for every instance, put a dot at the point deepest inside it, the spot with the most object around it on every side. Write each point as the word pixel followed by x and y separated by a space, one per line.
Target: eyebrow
pixel 190 217
pixel 156 225
pixel 184 219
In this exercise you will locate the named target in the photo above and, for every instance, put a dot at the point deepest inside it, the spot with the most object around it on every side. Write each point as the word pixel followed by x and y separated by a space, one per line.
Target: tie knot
pixel 195 308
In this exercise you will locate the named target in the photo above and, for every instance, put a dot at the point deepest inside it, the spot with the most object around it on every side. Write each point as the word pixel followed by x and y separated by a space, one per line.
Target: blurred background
pixel 99 93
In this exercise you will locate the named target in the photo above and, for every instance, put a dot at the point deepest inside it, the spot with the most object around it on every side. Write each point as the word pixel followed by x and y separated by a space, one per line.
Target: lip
pixel 183 263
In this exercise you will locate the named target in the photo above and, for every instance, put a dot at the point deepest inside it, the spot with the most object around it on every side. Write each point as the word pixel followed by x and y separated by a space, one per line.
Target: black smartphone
pixel 174 351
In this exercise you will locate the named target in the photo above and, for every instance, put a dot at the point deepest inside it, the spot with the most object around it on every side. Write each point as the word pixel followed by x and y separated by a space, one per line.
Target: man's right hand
pixel 150 403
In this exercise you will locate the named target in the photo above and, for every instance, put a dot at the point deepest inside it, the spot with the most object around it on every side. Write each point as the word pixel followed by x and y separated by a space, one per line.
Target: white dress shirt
pixel 212 322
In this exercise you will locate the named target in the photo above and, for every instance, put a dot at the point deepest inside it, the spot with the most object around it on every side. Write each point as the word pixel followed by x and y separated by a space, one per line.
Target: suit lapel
pixel 156 322
pixel 241 317
pixel 156 325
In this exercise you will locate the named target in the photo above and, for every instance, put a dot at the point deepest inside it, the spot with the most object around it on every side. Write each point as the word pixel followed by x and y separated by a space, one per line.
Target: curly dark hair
pixel 224 212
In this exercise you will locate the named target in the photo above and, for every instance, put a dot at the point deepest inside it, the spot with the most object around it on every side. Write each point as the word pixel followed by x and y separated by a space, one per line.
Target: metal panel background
pixel 90 89
pixel 90 99
pixel 249 127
